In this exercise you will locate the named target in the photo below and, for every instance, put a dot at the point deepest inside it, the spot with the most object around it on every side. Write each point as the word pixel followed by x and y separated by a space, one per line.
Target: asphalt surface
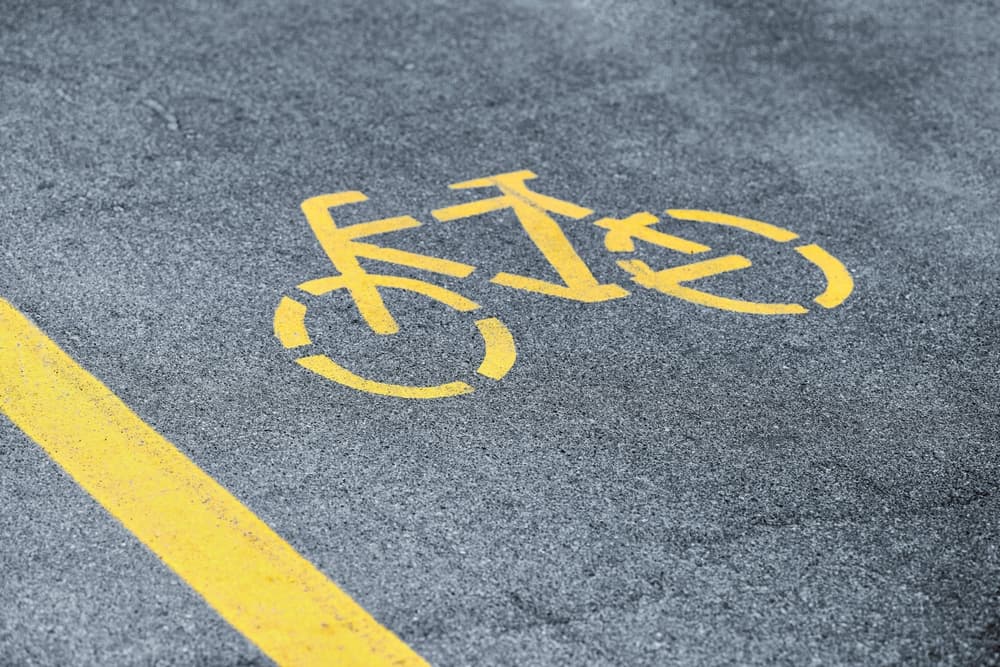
pixel 655 482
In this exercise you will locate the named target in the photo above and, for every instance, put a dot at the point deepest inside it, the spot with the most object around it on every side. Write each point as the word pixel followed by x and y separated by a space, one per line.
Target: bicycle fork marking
pixel 345 247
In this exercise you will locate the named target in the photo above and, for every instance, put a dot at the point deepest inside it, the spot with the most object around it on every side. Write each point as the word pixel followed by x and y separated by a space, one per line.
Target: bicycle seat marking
pixel 346 246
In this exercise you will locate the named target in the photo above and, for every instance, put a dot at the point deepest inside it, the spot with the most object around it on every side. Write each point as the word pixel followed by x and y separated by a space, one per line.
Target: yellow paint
pixel 331 370
pixel 343 248
pixel 382 318
pixel 501 353
pixel 532 210
pixel 290 323
pixel 670 281
pixel 321 286
pixel 498 358
pixel 622 234
pixel 246 572
pixel 764 229
pixel 839 283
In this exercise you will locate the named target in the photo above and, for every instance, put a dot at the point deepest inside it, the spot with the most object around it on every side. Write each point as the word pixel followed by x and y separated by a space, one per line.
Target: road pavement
pixel 655 481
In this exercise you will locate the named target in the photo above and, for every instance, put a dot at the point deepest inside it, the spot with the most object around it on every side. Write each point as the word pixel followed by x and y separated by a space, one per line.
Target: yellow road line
pixel 243 569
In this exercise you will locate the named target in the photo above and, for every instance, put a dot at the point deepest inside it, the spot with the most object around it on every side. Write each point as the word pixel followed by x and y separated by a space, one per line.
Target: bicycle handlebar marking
pixel 534 211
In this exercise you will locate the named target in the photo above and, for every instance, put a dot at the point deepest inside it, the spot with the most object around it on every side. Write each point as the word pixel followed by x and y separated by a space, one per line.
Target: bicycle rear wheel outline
pixel 290 329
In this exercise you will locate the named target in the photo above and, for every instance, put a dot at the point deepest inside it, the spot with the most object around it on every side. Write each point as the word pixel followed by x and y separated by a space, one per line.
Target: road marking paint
pixel 536 213
pixel 623 232
pixel 341 245
pixel 839 283
pixel 323 365
pixel 321 286
pixel 532 210
pixel 670 281
pixel 289 327
pixel 501 353
pixel 290 323
pixel 764 229
pixel 255 580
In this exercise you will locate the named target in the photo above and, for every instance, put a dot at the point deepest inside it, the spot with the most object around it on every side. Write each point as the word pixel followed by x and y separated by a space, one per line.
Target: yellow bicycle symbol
pixel 537 214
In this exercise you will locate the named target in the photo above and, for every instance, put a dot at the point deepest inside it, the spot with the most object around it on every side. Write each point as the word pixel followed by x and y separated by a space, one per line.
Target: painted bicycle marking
pixel 346 246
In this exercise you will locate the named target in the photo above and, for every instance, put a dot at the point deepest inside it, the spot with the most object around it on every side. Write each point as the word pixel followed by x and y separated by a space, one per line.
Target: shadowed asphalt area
pixel 654 482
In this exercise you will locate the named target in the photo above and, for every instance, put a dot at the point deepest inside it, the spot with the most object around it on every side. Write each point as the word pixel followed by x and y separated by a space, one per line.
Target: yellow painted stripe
pixel 290 323
pixel 501 352
pixel 242 568
pixel 323 365
pixel 839 283
pixel 764 229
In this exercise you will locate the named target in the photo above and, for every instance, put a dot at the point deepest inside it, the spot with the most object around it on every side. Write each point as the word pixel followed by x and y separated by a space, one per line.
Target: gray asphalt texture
pixel 655 482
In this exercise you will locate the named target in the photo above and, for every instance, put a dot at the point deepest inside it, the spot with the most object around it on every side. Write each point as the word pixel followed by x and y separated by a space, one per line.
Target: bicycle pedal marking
pixel 346 246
